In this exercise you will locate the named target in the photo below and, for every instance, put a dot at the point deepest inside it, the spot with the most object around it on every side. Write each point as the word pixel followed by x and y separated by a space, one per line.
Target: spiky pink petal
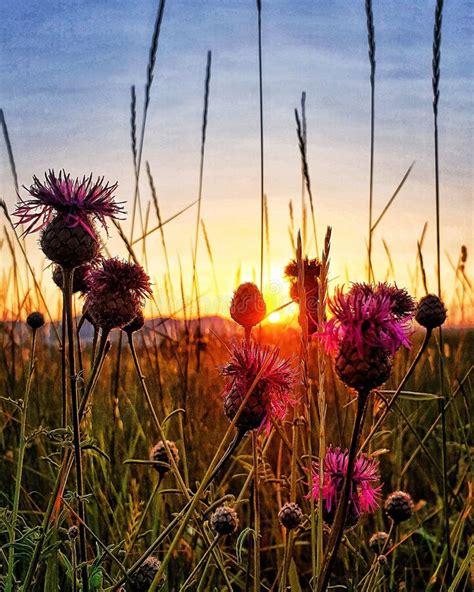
pixel 115 275
pixel 363 494
pixel 275 377
pixel 79 202
pixel 369 316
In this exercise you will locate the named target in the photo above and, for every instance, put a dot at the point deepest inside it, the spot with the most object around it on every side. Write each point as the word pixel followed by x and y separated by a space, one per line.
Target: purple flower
pixel 117 293
pixel 272 394
pixel 369 317
pixel 117 276
pixel 363 494
pixel 79 202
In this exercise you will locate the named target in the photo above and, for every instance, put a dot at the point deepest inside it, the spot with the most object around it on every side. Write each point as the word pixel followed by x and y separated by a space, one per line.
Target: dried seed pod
pixel 290 515
pixel 158 453
pixel 399 506
pixel 431 312
pixel 224 520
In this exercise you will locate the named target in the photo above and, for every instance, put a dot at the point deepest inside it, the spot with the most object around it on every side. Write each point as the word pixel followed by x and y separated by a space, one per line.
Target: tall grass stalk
pixel 307 394
pixel 303 184
pixel 44 302
pixel 435 83
pixel 156 205
pixel 149 81
pixel 189 580
pixel 8 144
pixel 322 405
pixel 19 467
pixel 154 416
pixel 301 133
pixel 194 288
pixel 371 43
pixel 262 161
pixel 256 493
pixel 256 513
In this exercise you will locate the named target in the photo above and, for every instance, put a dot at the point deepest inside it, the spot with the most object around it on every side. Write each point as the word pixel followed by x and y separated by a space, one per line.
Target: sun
pixel 274 317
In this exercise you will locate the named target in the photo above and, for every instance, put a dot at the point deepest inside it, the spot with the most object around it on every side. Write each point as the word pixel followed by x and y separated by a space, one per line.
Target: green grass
pixel 119 428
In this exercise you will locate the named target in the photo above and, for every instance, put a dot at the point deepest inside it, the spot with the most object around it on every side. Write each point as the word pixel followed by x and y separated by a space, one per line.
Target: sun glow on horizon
pixel 274 317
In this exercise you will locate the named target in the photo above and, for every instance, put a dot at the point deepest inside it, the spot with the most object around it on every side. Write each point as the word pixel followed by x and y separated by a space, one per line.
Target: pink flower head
pixel 369 317
pixel 363 495
pixel 272 393
pixel 80 202
pixel 117 292
pixel 401 303
pixel 116 276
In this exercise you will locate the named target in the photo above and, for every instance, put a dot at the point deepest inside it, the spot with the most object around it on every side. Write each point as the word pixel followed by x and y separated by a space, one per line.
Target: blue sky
pixel 65 76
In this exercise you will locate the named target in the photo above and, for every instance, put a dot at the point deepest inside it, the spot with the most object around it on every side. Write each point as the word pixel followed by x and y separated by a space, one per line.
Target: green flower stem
pixel 64 366
pixel 369 577
pixel 156 421
pixel 67 283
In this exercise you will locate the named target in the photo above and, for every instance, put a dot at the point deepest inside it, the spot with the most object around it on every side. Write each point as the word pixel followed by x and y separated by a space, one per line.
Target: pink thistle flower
pixel 364 496
pixel 369 317
pixel 401 303
pixel 78 202
pixel 117 293
pixel 116 275
pixel 272 394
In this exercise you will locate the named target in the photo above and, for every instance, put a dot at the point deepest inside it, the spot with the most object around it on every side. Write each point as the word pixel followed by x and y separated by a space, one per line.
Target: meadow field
pixel 318 439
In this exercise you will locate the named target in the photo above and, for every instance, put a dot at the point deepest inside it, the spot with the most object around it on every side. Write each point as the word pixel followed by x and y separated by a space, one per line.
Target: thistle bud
pixel 399 506
pixel 290 515
pixel 248 307
pixel 35 320
pixel 430 312
pixel 224 520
